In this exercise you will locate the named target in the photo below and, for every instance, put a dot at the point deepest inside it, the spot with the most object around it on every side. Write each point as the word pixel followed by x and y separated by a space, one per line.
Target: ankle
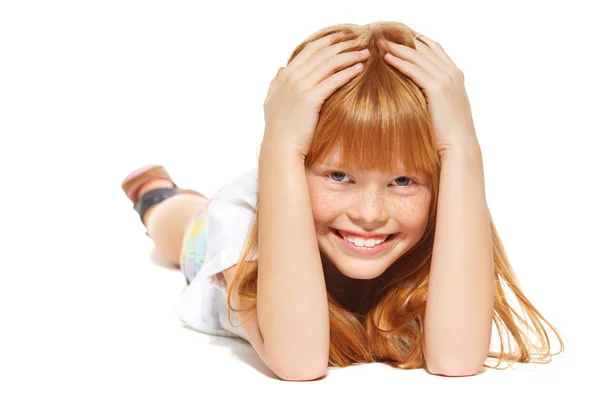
pixel 154 184
pixel 158 183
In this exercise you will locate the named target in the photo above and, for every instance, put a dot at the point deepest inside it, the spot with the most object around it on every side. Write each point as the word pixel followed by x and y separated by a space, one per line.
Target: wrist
pixel 280 148
pixel 463 158
pixel 469 149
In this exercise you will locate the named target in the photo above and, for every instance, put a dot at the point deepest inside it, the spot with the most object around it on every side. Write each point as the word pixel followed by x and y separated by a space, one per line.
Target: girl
pixel 369 154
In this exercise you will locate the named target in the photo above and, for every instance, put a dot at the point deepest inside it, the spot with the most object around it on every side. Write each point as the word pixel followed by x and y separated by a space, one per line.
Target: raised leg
pixel 165 221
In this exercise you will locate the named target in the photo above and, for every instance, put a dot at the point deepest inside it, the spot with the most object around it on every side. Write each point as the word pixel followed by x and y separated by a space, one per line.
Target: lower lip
pixel 378 248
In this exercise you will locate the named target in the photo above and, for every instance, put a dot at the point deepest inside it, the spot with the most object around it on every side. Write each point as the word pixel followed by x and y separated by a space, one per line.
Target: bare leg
pixel 166 221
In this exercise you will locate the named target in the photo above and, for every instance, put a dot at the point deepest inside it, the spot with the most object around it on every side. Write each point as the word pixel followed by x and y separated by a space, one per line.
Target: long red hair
pixel 375 120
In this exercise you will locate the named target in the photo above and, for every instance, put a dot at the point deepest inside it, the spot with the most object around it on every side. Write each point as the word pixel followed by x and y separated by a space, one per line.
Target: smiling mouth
pixel 390 237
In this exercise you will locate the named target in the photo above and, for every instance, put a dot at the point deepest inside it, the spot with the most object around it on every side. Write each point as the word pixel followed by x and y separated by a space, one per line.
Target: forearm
pixel 292 308
pixel 458 318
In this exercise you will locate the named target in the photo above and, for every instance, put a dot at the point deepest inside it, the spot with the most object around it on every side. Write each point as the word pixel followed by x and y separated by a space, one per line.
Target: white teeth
pixel 363 243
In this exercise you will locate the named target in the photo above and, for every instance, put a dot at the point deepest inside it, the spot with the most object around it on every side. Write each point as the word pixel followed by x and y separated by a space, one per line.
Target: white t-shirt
pixel 203 303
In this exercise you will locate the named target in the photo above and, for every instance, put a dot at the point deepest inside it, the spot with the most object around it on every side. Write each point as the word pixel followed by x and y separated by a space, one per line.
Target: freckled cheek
pixel 325 206
pixel 413 213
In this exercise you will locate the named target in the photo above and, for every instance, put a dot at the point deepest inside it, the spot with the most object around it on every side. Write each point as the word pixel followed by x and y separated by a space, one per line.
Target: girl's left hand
pixel 430 68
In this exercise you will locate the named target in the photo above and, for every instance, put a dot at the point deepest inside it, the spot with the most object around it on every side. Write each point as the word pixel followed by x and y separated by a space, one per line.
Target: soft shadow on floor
pixel 244 352
pixel 241 349
pixel 159 260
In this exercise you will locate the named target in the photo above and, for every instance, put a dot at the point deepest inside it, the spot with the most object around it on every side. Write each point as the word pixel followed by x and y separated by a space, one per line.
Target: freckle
pixel 412 206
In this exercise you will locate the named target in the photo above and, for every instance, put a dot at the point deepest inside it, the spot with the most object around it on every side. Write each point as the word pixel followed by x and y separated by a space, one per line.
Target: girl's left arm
pixel 460 300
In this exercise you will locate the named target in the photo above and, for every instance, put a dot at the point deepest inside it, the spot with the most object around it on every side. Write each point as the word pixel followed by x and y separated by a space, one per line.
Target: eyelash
pixel 411 181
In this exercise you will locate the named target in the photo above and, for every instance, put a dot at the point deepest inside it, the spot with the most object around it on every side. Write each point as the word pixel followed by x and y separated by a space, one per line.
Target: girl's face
pixel 367 203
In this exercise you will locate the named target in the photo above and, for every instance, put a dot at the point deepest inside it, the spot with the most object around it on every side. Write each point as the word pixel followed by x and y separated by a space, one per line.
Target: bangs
pixel 376 123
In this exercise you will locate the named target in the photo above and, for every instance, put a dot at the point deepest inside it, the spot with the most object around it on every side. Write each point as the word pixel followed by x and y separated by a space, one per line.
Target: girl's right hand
pixel 298 91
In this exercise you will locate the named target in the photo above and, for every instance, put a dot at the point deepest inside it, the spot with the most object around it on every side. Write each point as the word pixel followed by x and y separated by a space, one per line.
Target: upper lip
pixel 364 234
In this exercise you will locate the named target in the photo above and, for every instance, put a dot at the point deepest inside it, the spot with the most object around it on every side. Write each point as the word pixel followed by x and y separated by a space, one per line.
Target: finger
pixel 324 57
pixel 326 88
pixel 424 49
pixel 333 64
pixel 417 74
pixel 419 59
pixel 437 48
pixel 309 50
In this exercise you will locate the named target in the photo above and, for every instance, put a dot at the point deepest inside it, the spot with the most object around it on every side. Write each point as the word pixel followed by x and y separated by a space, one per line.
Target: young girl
pixel 375 240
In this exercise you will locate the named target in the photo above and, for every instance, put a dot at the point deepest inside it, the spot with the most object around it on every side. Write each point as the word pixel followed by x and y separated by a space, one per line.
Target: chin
pixel 361 272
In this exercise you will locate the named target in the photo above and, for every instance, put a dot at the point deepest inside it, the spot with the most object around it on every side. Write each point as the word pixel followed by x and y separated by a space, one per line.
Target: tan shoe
pixel 138 178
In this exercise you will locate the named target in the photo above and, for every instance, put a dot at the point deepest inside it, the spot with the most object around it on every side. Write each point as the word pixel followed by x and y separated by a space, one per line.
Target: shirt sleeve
pixel 230 218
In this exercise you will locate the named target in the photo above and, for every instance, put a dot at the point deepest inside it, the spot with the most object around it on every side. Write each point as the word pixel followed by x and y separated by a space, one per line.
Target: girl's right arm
pixel 292 306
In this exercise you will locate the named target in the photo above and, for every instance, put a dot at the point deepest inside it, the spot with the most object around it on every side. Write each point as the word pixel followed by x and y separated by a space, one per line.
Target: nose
pixel 369 211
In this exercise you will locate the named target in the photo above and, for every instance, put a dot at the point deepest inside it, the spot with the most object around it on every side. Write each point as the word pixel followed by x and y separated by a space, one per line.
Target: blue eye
pixel 404 177
pixel 342 175
pixel 339 173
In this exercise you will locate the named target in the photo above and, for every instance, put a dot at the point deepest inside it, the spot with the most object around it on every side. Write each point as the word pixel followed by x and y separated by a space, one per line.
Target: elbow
pixel 298 364
pixel 454 368
pixel 464 363
pixel 453 371
pixel 301 373
pixel 307 375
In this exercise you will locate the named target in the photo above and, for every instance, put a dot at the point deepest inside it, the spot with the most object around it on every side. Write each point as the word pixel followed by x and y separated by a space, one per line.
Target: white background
pixel 90 90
